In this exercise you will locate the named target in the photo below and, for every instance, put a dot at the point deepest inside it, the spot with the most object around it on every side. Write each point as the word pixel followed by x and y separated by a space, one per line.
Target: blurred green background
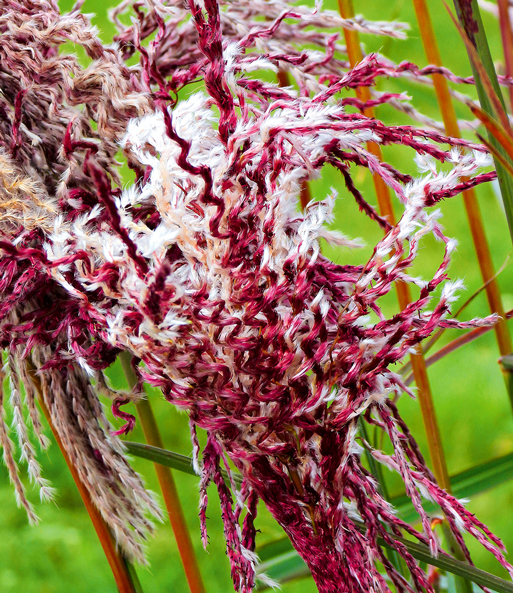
pixel 62 553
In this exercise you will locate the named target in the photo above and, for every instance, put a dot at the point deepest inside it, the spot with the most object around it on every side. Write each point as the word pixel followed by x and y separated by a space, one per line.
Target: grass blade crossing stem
pixel 167 485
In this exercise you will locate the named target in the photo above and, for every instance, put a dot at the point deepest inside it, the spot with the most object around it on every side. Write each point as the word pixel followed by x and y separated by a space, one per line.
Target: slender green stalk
pixel 469 197
pixel 167 485
pixel 123 572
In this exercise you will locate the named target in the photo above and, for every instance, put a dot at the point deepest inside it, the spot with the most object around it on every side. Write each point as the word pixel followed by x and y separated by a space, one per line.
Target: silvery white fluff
pixel 173 189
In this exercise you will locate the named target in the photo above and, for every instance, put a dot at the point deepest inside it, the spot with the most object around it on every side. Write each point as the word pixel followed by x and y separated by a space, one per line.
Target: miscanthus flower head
pixel 206 271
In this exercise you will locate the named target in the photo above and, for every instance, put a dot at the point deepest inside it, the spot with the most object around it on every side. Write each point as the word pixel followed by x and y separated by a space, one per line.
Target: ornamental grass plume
pixel 207 273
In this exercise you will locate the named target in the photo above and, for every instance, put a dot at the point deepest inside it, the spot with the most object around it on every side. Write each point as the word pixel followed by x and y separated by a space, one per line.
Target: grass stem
pixel 425 396
pixel 507 41
pixel 124 574
pixel 385 205
pixel 488 90
pixel 472 209
pixel 167 485
pixel 492 105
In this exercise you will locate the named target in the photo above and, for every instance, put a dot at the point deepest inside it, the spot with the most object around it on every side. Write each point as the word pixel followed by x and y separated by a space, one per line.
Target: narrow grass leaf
pixel 283 568
pixel 181 463
pixel 477 49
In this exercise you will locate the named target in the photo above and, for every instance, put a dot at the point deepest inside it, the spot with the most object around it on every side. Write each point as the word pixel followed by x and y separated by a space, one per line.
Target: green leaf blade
pixel 181 463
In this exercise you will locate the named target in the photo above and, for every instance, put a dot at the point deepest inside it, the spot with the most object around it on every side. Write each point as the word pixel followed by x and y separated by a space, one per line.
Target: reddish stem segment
pixel 116 561
pixel 385 205
pixel 168 487
pixel 469 197
pixel 507 41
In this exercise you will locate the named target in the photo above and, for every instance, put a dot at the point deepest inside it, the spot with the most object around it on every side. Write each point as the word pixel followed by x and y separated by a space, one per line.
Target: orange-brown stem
pixel 494 128
pixel 469 197
pixel 507 41
pixel 115 559
pixel 167 485
pixel 434 438
pixel 385 205
pixel 306 194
